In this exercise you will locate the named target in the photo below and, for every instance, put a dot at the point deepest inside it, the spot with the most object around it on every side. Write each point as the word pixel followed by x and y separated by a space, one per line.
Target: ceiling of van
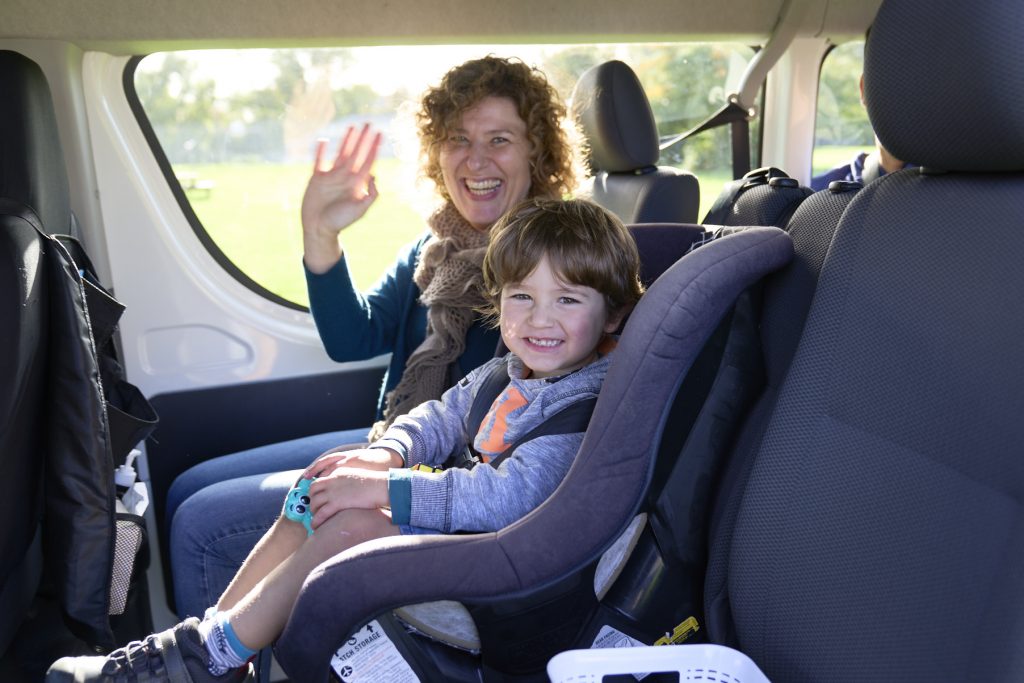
pixel 135 26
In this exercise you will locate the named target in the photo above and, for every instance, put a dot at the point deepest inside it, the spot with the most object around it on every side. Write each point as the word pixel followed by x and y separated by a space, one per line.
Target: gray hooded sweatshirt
pixel 485 498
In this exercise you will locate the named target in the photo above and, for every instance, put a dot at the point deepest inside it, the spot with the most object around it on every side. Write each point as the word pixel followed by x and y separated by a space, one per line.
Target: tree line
pixel 685 83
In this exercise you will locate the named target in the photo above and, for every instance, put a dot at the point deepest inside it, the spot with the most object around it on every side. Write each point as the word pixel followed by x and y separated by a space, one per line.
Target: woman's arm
pixel 356 326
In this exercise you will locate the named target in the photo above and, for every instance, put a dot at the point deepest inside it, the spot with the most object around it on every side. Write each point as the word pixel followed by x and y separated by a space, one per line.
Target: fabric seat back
pixel 622 138
pixel 65 411
pixel 764 196
pixel 31 179
pixel 884 506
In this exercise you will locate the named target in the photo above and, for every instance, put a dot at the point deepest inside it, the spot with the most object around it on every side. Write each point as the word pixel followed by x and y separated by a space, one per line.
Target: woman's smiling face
pixel 485 161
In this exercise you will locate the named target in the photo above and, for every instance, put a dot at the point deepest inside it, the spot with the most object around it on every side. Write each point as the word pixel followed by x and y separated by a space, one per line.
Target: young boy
pixel 559 277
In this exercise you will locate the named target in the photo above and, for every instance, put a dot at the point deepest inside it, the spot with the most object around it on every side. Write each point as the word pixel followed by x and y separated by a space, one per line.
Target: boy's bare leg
pixel 276 546
pixel 259 617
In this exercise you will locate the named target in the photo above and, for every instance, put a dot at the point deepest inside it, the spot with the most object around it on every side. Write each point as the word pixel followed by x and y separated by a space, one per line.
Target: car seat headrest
pixel 944 83
pixel 616 119
pixel 32 170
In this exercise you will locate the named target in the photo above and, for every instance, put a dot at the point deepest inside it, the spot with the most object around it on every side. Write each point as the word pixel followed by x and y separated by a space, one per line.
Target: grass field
pixel 251 211
pixel 827 157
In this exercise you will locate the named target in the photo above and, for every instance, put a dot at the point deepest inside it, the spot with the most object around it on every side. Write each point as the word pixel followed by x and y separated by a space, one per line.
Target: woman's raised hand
pixel 338 196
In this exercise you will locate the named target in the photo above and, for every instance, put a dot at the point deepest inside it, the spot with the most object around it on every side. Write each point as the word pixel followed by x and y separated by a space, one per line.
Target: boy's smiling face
pixel 553 326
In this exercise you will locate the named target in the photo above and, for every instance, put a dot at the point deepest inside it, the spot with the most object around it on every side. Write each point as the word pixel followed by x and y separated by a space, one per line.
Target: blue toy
pixel 296 505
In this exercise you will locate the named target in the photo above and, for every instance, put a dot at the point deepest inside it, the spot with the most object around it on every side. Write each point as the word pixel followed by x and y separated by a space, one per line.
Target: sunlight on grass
pixel 827 157
pixel 252 214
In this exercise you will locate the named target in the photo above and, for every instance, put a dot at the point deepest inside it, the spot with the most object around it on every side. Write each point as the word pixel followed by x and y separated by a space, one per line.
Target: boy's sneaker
pixel 176 655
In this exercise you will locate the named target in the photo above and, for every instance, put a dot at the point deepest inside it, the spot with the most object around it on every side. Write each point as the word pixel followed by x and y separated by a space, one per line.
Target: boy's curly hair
pixel 584 243
pixel 554 154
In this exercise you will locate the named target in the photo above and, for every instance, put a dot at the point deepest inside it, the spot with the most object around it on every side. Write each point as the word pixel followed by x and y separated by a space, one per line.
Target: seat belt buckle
pixel 421 467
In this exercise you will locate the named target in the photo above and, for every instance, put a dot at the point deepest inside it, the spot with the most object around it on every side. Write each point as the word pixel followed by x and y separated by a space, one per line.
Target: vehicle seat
pixel 763 196
pixel 877 531
pixel 32 188
pixel 622 138
pixel 736 378
pixel 660 245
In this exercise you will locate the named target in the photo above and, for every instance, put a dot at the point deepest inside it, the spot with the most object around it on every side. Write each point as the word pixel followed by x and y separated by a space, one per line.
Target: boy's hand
pixel 380 459
pixel 347 487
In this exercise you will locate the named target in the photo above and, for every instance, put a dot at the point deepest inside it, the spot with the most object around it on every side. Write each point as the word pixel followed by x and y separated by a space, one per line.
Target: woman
pixel 491 134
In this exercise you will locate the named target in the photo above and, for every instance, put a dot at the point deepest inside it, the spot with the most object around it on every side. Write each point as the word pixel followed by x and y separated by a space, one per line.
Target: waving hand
pixel 338 196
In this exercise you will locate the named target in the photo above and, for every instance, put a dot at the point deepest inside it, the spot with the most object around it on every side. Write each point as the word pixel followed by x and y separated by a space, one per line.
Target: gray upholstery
pixel 788 293
pixel 31 162
pixel 944 89
pixel 787 299
pixel 622 138
pixel 880 533
pixel 767 204
pixel 763 196
pixel 31 175
pixel 664 334
pixel 616 118
pixel 662 244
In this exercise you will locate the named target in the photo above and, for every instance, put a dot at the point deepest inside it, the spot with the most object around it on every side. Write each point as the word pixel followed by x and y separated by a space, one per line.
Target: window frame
pixel 221 258
pixel 201 233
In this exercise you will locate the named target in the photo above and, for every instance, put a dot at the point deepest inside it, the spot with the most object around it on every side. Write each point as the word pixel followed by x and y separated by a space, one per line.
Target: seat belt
pixel 738 118
pixel 571 419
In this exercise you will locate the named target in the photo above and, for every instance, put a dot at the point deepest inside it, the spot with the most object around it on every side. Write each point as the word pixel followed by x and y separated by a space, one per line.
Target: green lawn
pixel 252 213
pixel 827 157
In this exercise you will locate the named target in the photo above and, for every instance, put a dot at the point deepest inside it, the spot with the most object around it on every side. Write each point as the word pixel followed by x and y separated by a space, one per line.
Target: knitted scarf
pixel 450 279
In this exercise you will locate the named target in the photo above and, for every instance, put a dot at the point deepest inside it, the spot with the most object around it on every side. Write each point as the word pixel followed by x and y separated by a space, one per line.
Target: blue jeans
pixel 220 508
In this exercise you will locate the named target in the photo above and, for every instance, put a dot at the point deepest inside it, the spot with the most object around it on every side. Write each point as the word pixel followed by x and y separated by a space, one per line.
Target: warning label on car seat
pixel 369 655
pixel 610 637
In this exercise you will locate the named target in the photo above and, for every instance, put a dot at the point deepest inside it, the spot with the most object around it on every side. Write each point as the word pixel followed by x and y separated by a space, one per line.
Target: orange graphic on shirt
pixel 497 417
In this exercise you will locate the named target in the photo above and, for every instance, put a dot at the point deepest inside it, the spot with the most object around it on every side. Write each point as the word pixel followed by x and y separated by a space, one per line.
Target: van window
pixel 842 129
pixel 237 128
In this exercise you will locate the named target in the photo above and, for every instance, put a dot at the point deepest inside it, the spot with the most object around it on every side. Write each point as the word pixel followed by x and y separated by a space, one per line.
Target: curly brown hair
pixel 554 156
pixel 584 243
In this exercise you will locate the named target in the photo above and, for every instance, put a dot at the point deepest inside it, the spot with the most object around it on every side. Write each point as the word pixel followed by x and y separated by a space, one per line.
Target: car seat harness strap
pixel 569 420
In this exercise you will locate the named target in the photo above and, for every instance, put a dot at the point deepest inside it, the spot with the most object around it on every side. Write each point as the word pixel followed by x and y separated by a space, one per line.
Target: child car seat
pixel 568 531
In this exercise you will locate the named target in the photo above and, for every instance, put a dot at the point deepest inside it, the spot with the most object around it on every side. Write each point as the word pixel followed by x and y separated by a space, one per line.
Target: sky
pixel 385 69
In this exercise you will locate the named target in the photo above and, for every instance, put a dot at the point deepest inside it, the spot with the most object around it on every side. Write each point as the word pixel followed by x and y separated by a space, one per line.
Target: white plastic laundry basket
pixel 704 663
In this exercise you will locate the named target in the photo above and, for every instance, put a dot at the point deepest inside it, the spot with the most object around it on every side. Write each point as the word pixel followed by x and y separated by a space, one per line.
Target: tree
pixel 564 67
pixel 842 119
pixel 180 106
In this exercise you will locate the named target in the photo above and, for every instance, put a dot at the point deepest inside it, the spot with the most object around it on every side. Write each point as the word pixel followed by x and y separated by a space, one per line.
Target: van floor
pixel 40 640
pixel 44 637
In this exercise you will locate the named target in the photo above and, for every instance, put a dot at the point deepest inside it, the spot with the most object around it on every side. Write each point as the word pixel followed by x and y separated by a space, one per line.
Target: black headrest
pixel 944 83
pixel 616 118
pixel 32 170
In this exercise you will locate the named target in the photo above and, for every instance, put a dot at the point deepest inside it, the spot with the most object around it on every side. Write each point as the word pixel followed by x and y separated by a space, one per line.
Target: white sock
pixel 226 651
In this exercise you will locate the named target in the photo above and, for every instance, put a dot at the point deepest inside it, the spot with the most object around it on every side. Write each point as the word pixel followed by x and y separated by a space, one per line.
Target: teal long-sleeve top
pixel 388 318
